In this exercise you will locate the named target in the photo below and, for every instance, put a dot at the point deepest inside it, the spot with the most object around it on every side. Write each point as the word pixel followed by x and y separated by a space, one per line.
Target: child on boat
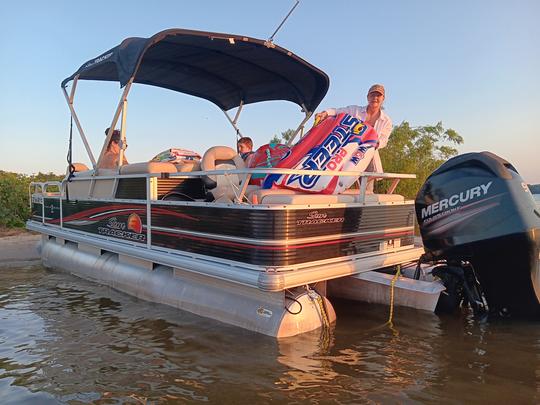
pixel 245 147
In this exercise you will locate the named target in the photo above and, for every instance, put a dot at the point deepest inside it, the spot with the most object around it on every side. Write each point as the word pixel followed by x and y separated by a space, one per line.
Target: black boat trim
pixel 288 241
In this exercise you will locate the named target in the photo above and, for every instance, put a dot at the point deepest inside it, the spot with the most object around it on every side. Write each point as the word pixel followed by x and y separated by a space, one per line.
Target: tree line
pixel 14 196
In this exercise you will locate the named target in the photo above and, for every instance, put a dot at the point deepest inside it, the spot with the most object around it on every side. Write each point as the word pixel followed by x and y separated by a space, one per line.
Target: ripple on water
pixel 68 340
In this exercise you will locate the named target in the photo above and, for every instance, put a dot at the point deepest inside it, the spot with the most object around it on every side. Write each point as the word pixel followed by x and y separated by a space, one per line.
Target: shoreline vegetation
pixel 14 203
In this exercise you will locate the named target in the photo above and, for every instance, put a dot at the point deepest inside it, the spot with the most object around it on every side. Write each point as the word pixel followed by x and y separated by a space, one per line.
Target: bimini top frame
pixel 228 70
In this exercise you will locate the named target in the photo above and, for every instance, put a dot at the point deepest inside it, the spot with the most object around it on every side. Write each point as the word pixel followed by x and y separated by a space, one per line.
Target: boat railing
pixel 37 190
pixel 363 177
pixel 246 175
pixel 57 190
pixel 44 188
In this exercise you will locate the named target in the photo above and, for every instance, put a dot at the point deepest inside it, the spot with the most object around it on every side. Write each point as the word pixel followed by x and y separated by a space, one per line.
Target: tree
pixel 284 138
pixel 418 150
pixel 14 204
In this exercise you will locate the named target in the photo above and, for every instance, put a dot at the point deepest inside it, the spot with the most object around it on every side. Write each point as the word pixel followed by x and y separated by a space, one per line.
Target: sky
pixel 474 65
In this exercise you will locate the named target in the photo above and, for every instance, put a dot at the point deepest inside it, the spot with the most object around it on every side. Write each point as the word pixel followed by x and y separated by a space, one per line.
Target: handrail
pixel 272 170
pixel 41 187
pixel 45 184
pixel 246 173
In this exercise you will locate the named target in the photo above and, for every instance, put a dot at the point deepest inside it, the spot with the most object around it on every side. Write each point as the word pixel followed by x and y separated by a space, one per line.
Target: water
pixel 66 340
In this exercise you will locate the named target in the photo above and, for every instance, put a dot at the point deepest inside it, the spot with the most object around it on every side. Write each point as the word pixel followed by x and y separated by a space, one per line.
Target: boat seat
pixel 78 167
pixel 222 158
pixel 188 166
pixel 100 172
pixel 375 198
pixel 285 196
pixel 148 167
pixel 383 198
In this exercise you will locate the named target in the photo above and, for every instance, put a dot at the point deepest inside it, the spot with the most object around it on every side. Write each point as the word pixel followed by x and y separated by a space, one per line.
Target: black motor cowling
pixel 476 208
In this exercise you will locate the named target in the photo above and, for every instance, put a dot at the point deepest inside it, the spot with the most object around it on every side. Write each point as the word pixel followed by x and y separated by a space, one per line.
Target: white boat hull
pixel 278 314
pixel 374 287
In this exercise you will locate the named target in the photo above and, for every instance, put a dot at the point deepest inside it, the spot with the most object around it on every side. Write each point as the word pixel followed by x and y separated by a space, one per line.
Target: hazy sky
pixel 474 65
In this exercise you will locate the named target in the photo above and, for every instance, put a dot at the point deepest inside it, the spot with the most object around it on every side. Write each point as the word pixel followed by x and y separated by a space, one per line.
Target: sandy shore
pixel 19 250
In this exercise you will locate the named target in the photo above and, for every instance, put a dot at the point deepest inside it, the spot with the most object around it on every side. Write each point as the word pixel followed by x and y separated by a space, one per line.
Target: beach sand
pixel 19 249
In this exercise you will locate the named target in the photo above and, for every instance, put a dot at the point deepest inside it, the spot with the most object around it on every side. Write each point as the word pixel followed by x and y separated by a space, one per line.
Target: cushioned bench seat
pixel 376 198
pixel 101 172
pixel 134 168
pixel 148 167
pixel 284 196
pixel 188 166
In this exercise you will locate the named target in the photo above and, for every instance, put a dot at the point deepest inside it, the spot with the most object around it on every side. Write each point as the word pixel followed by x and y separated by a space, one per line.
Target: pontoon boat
pixel 202 236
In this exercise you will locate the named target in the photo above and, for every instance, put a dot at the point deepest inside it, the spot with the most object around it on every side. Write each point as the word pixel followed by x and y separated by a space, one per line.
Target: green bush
pixel 14 203
pixel 417 150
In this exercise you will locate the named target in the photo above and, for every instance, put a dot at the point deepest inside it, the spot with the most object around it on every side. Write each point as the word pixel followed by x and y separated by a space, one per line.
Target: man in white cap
pixel 374 115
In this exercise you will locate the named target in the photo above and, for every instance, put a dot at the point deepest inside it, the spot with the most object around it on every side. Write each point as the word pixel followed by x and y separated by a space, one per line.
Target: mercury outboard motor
pixel 475 211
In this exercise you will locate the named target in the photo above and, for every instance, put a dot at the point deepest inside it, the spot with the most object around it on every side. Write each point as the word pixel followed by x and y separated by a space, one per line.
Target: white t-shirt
pixel 383 126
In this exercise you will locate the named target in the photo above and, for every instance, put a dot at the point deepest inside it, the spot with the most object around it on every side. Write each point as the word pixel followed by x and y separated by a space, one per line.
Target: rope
pixel 69 157
pixel 322 309
pixel 392 284
pixel 319 301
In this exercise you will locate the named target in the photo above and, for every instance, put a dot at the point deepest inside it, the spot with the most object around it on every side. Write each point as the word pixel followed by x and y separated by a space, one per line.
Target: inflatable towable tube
pixel 267 155
pixel 340 143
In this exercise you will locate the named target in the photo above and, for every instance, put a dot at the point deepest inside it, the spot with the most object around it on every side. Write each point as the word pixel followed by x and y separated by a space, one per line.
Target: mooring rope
pixel 392 285
pixel 319 301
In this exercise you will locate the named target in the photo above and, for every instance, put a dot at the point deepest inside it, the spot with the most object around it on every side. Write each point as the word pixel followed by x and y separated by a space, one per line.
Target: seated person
pixel 245 147
pixel 112 154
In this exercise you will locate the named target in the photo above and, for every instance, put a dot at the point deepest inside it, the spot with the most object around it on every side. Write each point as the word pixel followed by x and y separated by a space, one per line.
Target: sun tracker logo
pixel 316 218
pixel 134 223
pixel 117 228
pixel 98 60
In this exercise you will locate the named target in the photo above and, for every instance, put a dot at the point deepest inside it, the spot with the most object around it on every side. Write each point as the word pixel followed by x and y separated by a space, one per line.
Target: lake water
pixel 66 340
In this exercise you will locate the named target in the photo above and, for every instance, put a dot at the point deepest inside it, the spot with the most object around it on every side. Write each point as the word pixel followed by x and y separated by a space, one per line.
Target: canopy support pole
pixel 115 119
pixel 301 126
pixel 69 100
pixel 238 111
pixel 233 122
pixel 123 133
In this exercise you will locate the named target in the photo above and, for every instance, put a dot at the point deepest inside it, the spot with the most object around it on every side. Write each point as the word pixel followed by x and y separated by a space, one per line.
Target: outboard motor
pixel 475 211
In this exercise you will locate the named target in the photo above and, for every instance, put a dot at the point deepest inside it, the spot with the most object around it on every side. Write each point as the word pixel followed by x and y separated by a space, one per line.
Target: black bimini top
pixel 222 68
